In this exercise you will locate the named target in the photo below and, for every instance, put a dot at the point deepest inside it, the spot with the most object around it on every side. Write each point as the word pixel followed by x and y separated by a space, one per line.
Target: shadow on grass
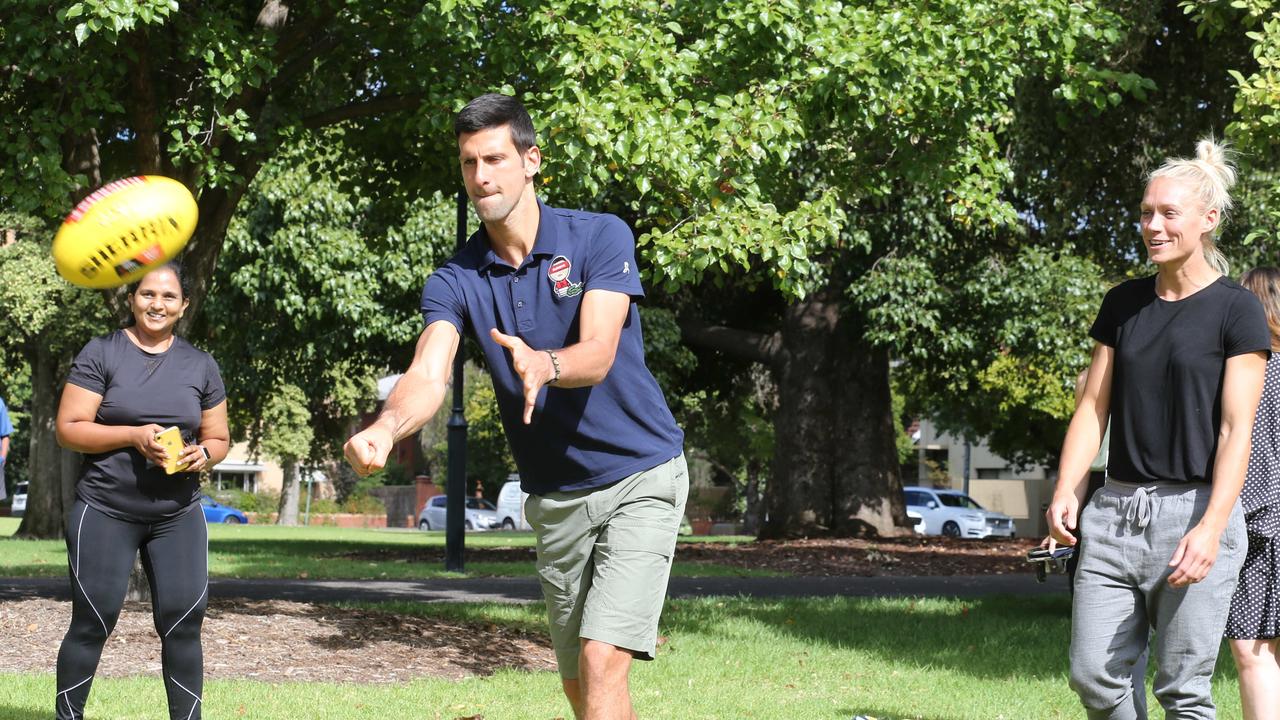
pixel 8 712
pixel 475 646
pixel 882 715
pixel 994 637
pixel 35 570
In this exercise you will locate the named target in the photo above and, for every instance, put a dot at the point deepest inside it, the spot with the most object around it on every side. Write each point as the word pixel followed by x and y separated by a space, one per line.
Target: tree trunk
pixel 835 468
pixel 52 470
pixel 288 514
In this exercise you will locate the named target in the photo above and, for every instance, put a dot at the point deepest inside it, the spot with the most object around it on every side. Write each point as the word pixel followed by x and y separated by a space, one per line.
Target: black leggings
pixel 100 552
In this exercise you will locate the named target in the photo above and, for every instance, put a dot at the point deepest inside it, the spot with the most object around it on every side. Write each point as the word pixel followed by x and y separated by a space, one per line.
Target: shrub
pixel 365 505
pixel 259 502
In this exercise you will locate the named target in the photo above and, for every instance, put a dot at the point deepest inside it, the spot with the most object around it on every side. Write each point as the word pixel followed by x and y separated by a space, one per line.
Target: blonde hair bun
pixel 1211 173
pixel 1216 161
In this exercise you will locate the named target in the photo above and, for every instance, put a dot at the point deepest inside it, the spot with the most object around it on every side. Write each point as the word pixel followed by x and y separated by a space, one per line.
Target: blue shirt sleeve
pixel 612 262
pixel 6 428
pixel 442 299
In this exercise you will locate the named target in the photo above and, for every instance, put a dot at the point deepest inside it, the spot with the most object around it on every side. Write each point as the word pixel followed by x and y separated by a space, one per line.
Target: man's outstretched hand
pixel 533 366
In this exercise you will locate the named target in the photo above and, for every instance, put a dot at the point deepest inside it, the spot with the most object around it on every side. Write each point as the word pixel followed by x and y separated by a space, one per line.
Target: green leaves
pixel 333 279
pixel 111 18
pixel 286 415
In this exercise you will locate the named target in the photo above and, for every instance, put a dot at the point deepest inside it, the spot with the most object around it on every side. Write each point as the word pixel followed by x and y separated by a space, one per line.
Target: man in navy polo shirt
pixel 549 295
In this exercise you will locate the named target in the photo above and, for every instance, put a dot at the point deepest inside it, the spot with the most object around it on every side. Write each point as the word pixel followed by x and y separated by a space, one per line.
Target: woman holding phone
pixel 123 390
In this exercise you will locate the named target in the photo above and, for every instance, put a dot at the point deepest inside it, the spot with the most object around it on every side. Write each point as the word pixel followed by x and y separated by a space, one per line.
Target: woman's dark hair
pixel 183 282
pixel 494 110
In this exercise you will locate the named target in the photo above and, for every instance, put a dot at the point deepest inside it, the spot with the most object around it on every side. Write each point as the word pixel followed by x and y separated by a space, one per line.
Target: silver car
pixel 954 514
pixel 480 514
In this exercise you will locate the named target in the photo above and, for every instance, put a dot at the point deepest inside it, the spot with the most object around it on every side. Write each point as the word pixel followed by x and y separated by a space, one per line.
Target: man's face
pixel 494 171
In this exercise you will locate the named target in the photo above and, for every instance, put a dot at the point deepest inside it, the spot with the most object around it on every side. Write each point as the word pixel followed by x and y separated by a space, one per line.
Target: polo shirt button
pixel 515 279
pixel 520 304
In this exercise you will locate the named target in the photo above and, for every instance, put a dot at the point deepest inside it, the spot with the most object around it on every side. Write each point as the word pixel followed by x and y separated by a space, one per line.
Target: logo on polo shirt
pixel 558 274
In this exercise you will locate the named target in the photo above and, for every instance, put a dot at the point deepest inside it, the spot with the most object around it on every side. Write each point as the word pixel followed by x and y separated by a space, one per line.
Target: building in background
pixel 994 482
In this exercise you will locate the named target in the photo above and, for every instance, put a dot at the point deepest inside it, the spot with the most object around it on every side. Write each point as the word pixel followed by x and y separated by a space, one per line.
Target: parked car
pixel 19 500
pixel 511 505
pixel 216 512
pixel 917 521
pixel 954 514
pixel 480 514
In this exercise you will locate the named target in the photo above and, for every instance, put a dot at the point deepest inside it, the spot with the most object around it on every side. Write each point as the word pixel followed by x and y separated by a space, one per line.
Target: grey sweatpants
pixel 1122 594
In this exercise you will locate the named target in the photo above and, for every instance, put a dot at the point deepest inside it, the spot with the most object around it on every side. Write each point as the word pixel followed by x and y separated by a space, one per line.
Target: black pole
pixel 456 485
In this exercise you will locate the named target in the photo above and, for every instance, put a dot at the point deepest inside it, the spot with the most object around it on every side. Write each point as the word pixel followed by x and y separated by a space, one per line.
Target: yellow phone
pixel 171 439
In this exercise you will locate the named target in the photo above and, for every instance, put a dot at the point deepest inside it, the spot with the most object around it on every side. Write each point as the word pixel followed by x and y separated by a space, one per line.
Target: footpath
pixel 526 589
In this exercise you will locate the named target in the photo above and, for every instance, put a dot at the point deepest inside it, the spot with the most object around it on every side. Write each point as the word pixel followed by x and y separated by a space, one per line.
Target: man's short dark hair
pixel 493 110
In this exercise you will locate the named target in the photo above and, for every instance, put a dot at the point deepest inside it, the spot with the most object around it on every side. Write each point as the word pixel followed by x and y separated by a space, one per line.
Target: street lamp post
pixel 456 485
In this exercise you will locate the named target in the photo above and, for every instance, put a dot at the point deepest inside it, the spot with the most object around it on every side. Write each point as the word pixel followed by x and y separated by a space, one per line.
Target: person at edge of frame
pixel 550 296
pixel 1253 623
pixel 1178 367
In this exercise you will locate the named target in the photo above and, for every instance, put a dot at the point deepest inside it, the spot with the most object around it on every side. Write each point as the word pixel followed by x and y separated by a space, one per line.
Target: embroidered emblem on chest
pixel 558 274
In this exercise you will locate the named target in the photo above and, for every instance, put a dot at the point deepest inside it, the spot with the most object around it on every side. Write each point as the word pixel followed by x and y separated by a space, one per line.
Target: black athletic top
pixel 1166 389
pixel 137 387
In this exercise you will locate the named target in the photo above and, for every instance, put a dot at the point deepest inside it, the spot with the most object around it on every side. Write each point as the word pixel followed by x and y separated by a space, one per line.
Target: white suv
pixel 19 500
pixel 954 514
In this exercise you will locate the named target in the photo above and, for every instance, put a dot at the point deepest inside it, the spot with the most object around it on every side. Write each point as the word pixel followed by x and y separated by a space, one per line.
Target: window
pixel 235 480
pixel 479 504
pixel 438 501
pixel 916 498
pixel 958 501
pixel 990 473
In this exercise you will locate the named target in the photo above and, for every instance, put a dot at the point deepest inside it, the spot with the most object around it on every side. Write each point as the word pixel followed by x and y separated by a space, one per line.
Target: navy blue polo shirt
pixel 580 438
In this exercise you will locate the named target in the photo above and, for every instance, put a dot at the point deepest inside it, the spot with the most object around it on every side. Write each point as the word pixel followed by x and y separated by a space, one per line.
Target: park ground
pixel 936 658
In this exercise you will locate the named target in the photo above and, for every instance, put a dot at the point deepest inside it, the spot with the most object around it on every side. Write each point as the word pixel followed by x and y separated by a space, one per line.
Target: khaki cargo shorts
pixel 604 556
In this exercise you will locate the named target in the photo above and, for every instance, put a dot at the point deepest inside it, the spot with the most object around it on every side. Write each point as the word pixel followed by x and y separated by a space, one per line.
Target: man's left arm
pixel 584 363
pixel 4 449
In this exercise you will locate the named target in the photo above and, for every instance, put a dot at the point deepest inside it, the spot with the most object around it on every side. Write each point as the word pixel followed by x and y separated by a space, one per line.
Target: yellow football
pixel 123 230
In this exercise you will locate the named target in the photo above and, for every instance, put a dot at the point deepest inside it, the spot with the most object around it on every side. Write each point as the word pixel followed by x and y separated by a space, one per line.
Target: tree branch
pixel 273 15
pixel 376 106
pixel 143 111
pixel 297 65
pixel 303 33
pixel 758 347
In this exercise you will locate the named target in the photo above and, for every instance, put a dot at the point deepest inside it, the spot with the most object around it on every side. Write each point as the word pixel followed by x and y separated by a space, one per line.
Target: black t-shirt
pixel 1166 389
pixel 137 388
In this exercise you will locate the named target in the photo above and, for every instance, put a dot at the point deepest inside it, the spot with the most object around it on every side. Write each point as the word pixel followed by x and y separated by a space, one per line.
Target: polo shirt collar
pixel 545 243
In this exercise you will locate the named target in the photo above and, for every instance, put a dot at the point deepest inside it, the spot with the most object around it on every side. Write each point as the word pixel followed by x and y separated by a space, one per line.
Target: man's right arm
pixel 412 402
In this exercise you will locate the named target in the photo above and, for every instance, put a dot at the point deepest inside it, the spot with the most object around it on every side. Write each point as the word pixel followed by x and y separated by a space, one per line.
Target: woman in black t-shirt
pixel 1177 368
pixel 123 389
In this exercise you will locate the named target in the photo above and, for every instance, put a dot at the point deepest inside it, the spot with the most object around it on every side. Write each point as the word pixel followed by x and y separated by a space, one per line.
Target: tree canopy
pixel 818 187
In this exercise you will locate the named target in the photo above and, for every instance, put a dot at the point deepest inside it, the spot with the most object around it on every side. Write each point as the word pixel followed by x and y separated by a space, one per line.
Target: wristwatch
pixel 555 363
pixel 205 450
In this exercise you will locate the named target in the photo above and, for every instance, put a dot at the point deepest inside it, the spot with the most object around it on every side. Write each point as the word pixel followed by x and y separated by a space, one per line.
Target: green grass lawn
pixel 730 659
pixel 317 552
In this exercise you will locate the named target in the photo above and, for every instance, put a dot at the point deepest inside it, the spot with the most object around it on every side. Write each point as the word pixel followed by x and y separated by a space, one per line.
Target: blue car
pixel 217 513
